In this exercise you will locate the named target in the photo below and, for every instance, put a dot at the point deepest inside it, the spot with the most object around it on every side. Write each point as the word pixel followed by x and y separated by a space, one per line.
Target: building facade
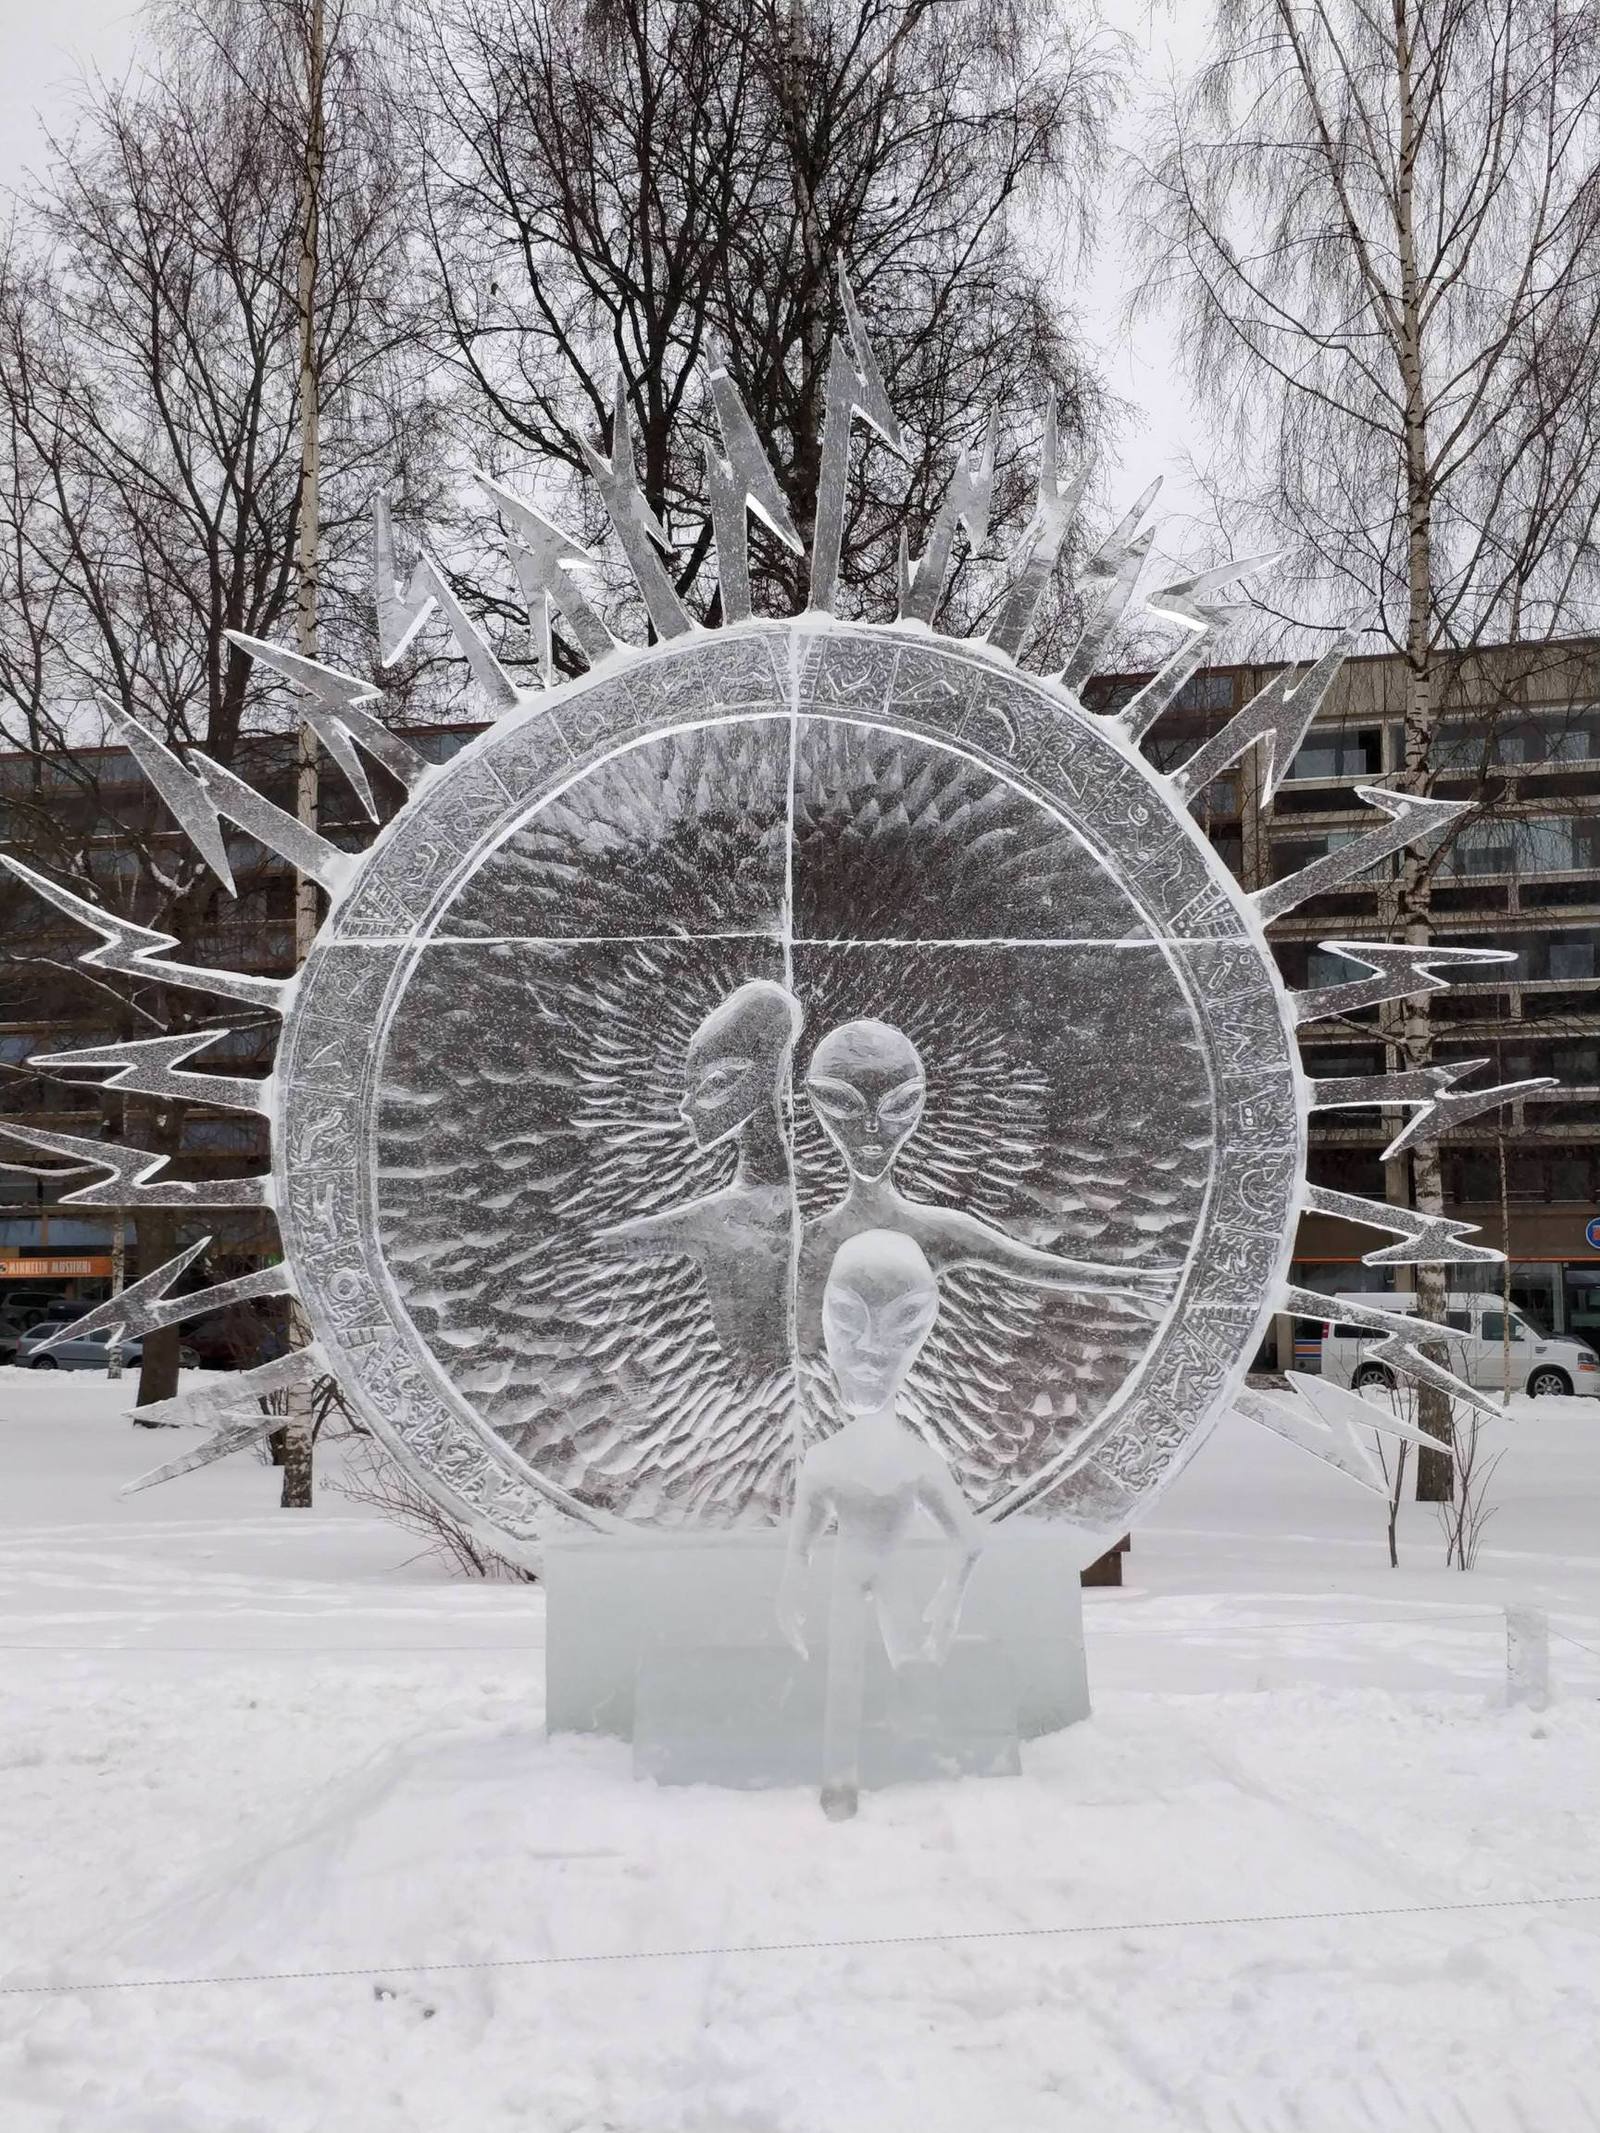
pixel 1518 740
pixel 96 817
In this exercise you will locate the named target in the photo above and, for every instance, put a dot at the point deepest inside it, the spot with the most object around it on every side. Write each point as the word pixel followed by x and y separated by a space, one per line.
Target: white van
pixel 1473 1338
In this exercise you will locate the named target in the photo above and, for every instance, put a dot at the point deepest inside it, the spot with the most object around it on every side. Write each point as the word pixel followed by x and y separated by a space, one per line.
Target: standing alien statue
pixel 867 1086
pixel 735 1079
pixel 871 1478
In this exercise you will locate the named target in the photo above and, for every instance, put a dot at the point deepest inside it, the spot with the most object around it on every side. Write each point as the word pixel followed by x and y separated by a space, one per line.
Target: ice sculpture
pixel 549 1205
pixel 870 1479
pixel 867 1086
pixel 741 1236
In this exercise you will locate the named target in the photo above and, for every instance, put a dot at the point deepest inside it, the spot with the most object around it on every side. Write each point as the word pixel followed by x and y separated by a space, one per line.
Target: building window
pixel 1477 1177
pixel 1340 755
pixel 1329 1064
pixel 230 1136
pixel 1290 854
pixel 1355 1170
pixel 1576 1063
pixel 1206 692
pixel 1569 955
pixel 1571 1177
pixel 1325 969
pixel 1551 844
pixel 1516 740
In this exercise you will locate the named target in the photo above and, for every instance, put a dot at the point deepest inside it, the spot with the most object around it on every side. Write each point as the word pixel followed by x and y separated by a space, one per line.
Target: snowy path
pixel 237 1742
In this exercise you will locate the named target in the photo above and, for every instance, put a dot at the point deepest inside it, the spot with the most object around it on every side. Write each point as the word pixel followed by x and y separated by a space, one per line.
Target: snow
pixel 241 1741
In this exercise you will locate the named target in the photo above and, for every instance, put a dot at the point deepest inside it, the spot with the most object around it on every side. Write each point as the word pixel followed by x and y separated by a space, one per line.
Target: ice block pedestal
pixel 672 1643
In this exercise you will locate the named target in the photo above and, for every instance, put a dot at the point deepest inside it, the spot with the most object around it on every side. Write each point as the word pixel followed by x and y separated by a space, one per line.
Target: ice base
pixel 671 1642
pixel 749 1715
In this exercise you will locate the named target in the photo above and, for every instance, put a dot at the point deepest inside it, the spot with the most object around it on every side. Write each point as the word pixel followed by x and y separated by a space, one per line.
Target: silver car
pixel 83 1351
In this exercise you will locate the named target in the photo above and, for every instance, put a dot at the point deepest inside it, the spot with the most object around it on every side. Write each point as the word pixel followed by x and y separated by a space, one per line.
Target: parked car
pixel 1474 1340
pixel 59 1312
pixel 85 1351
pixel 20 1316
pixel 23 1308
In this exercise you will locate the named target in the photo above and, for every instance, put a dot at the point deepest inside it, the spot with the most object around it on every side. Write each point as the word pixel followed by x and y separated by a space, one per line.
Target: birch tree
pixel 1378 222
pixel 153 475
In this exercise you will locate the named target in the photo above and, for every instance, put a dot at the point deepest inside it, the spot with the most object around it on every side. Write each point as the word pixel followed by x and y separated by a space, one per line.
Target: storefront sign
pixel 62 1269
pixel 1591 1232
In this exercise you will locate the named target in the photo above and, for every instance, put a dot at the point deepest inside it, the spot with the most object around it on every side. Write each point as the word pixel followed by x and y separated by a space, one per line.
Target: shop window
pixel 1342 1278
pixel 1533 1292
pixel 1581 1301
pixel 68 1233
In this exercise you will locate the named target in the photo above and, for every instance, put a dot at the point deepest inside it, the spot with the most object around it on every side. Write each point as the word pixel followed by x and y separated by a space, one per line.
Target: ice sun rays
pixel 488 1167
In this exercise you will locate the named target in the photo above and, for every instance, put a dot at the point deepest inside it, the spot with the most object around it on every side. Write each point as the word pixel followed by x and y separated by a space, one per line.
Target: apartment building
pixel 1519 740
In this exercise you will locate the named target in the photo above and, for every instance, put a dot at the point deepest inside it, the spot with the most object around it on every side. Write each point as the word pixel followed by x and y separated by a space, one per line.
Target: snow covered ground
pixel 1297 1871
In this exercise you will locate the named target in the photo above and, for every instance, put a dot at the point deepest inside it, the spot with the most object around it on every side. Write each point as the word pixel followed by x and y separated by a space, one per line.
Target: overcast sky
pixel 49 49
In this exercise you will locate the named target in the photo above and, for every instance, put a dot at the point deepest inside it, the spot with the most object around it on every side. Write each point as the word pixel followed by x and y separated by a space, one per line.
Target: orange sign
pixel 67 1267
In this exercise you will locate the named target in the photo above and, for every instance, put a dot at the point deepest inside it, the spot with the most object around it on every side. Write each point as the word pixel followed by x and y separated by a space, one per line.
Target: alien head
pixel 877 1310
pixel 737 1059
pixel 866 1084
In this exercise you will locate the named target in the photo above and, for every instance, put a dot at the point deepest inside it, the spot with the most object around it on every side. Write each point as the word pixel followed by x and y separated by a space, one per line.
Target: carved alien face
pixel 867 1086
pixel 736 1060
pixel 877 1310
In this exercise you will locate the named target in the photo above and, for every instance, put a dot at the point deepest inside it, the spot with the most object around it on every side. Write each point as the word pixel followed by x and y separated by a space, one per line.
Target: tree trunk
pixel 157 1233
pixel 158 1368
pixel 292 1450
pixel 119 1269
pixel 1415 898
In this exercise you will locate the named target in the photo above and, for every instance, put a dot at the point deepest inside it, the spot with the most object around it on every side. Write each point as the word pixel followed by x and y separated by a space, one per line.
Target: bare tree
pixel 152 480
pixel 1380 220
pixel 637 184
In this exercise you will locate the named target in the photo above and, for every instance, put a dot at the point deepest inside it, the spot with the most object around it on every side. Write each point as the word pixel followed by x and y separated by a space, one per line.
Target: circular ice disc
pixel 686 972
